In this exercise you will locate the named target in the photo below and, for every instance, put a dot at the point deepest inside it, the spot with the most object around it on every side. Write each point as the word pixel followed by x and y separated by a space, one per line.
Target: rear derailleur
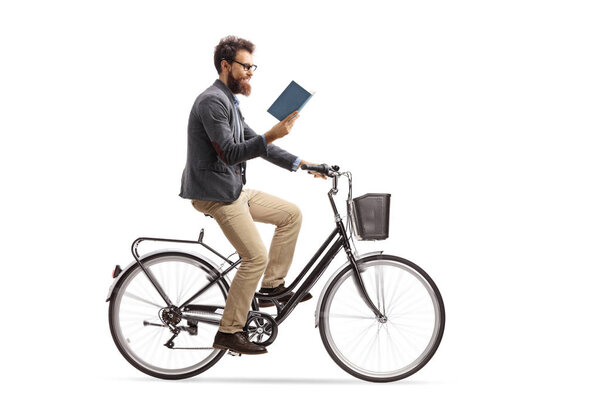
pixel 170 317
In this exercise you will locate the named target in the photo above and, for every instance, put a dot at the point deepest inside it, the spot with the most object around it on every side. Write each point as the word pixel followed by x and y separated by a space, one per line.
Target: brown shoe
pixel 282 300
pixel 237 342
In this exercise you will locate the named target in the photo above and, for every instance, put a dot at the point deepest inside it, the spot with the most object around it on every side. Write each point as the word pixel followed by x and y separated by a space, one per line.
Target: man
pixel 219 144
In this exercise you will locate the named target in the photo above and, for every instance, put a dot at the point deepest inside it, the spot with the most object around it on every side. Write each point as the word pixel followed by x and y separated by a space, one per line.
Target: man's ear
pixel 224 64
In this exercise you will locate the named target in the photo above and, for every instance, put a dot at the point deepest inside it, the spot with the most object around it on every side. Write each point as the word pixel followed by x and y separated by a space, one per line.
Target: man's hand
pixel 316 174
pixel 282 128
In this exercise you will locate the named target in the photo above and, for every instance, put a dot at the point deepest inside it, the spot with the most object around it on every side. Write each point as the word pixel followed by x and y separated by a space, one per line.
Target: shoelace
pixel 245 337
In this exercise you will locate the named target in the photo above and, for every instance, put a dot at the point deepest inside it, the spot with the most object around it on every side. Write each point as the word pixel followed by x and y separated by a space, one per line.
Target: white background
pixel 479 117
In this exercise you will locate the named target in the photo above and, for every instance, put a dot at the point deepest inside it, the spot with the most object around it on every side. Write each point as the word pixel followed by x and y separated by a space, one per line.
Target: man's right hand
pixel 282 128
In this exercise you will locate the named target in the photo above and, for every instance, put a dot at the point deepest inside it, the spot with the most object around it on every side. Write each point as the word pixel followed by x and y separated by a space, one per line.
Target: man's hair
pixel 228 48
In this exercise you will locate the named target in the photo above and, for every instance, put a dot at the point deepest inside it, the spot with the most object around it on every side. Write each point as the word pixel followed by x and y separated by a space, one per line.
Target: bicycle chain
pixel 197 312
pixel 192 348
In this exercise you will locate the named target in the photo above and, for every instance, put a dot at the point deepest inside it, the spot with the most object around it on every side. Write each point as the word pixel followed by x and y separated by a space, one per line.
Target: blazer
pixel 216 152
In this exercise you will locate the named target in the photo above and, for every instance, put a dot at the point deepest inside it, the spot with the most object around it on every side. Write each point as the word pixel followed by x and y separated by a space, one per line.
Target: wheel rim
pixel 391 347
pixel 135 317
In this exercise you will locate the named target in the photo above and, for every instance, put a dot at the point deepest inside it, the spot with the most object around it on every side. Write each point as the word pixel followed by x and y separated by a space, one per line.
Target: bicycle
pixel 381 317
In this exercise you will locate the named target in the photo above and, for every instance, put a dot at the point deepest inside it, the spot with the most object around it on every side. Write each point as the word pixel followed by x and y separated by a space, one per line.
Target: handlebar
pixel 323 169
pixel 333 172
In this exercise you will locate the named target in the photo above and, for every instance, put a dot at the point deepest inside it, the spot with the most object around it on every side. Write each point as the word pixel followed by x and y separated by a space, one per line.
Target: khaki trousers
pixel 237 222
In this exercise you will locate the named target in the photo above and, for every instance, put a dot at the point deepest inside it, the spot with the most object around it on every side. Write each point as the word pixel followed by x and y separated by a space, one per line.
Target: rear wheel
pixel 389 348
pixel 136 309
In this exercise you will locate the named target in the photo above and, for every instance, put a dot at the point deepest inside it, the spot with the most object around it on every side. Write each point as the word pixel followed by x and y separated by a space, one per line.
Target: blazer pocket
pixel 212 166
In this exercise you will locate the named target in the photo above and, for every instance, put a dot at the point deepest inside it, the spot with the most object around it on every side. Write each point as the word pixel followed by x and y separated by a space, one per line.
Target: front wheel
pixel 389 348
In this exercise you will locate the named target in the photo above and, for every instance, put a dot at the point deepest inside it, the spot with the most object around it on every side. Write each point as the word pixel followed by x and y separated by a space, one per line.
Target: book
pixel 293 98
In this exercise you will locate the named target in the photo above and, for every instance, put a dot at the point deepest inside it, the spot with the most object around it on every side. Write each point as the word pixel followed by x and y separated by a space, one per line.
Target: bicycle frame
pixel 337 240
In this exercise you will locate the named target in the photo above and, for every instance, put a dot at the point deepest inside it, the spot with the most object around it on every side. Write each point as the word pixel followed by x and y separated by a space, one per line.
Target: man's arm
pixel 215 119
pixel 275 154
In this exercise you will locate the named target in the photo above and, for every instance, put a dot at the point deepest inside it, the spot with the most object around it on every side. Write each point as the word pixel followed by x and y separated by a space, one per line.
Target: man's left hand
pixel 315 174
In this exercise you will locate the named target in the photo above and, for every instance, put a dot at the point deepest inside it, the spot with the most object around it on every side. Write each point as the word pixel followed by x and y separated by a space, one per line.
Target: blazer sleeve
pixel 215 119
pixel 275 154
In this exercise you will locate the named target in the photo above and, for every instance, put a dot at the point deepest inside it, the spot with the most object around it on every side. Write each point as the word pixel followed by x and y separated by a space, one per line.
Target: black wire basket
pixel 371 216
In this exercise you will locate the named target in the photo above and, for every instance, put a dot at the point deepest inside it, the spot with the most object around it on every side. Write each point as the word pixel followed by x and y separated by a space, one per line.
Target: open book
pixel 293 98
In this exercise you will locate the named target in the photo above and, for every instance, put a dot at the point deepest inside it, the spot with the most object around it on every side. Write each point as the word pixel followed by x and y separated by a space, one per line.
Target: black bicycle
pixel 381 317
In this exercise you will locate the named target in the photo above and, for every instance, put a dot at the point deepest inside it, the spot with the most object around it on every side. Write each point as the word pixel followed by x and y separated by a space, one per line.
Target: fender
pixel 358 258
pixel 144 256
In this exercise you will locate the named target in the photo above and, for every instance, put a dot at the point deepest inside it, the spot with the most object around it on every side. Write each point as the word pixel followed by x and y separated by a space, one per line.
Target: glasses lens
pixel 246 67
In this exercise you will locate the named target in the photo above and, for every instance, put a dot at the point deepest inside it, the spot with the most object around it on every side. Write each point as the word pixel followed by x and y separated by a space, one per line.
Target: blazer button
pixel 237 171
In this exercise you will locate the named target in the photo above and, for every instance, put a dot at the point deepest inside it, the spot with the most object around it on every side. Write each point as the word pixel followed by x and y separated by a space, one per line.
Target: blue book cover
pixel 293 98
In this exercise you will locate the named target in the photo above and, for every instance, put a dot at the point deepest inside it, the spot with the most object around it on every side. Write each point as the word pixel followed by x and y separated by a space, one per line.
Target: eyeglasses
pixel 246 67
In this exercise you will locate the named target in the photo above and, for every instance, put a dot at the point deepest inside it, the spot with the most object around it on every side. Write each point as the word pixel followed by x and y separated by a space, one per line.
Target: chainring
pixel 261 328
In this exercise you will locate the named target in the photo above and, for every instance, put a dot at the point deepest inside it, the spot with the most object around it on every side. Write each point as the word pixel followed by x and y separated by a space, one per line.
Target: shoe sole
pixel 219 347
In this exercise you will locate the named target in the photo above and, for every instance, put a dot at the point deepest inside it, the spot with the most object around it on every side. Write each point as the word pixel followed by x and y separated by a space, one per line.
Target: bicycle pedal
pixel 233 353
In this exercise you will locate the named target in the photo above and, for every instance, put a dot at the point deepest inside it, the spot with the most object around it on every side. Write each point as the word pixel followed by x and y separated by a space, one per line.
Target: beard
pixel 238 85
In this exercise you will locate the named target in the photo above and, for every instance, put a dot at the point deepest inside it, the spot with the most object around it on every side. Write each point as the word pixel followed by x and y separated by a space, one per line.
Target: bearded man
pixel 219 144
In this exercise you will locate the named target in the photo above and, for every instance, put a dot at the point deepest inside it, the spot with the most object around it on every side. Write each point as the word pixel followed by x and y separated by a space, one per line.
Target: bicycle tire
pixel 122 342
pixel 420 284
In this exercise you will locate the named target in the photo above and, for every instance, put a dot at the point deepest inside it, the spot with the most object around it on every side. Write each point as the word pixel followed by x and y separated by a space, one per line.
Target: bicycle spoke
pixel 185 284
pixel 379 289
pixel 395 289
pixel 360 336
pixel 408 341
pixel 399 355
pixel 415 314
pixel 410 307
pixel 410 329
pixel 378 344
pixel 138 298
pixel 335 315
pixel 141 315
pixel 366 350
pixel 352 300
pixel 146 341
pixel 193 287
pixel 404 297
pixel 146 286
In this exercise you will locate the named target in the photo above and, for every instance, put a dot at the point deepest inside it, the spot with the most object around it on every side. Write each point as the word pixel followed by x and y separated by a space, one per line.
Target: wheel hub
pixel 170 315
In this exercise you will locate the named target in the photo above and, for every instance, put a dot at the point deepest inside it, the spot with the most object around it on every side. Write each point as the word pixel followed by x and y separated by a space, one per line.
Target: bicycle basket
pixel 371 216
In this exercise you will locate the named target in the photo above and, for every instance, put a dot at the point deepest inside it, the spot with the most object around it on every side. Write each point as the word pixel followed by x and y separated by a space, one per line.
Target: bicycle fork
pixel 361 287
pixel 357 278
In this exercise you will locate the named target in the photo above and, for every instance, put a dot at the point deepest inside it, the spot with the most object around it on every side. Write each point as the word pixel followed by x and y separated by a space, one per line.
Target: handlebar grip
pixel 320 168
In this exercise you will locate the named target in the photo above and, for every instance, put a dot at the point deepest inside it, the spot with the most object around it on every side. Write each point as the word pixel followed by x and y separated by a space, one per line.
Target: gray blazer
pixel 216 152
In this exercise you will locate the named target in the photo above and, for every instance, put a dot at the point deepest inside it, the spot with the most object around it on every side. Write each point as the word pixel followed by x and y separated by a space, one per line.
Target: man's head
pixel 233 61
